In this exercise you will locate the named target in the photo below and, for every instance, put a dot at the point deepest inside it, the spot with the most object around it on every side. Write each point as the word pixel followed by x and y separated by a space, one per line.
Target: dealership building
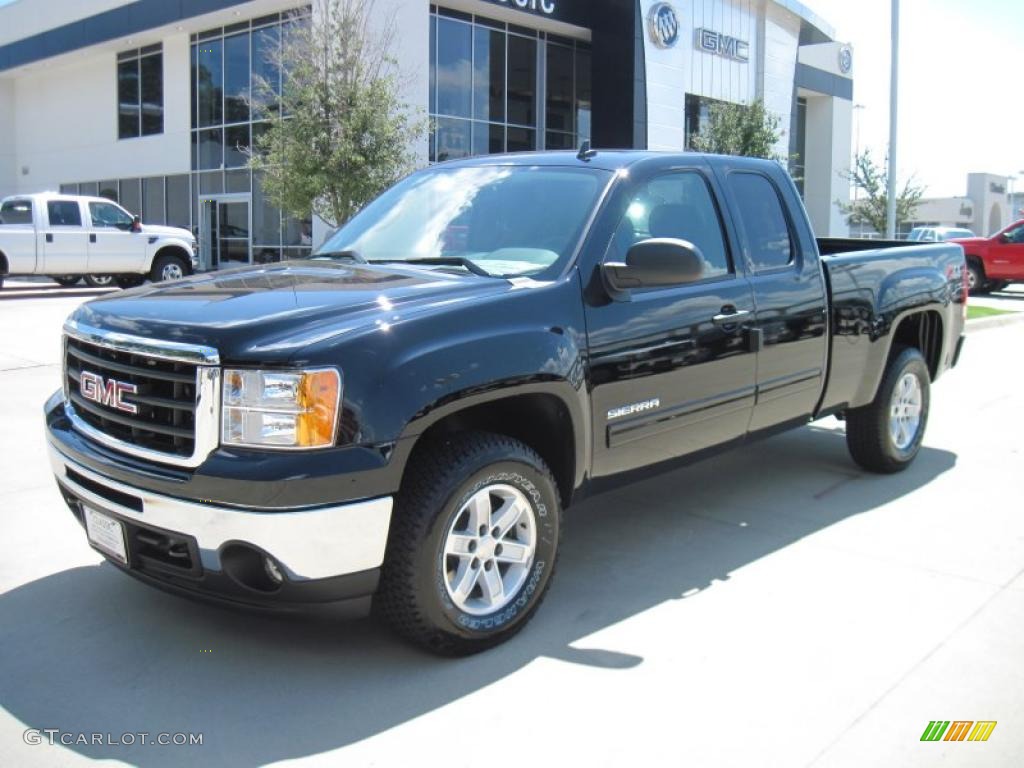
pixel 145 101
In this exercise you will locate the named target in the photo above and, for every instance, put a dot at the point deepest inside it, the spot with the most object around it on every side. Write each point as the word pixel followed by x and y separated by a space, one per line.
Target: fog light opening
pixel 251 568
pixel 273 570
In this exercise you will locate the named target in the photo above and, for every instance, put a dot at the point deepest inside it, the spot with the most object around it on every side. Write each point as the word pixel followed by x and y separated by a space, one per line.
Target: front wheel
pixel 168 268
pixel 886 435
pixel 99 281
pixel 472 546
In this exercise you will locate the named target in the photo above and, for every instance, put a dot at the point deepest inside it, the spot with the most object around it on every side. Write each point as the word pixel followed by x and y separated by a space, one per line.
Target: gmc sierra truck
pixel 404 417
pixel 70 237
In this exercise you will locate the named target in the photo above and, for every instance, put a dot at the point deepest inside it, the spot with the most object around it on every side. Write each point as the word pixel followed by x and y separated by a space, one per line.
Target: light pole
pixel 894 79
pixel 1009 188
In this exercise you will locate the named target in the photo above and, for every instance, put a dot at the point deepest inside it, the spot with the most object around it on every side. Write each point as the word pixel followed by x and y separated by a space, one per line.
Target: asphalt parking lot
pixel 772 607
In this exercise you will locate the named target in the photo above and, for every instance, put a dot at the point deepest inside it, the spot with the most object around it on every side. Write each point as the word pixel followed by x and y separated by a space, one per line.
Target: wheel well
pixel 976 261
pixel 174 250
pixel 923 331
pixel 540 421
pixel 3 264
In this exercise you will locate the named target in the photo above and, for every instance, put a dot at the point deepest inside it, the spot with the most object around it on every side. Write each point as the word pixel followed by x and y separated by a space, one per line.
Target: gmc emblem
pixel 107 392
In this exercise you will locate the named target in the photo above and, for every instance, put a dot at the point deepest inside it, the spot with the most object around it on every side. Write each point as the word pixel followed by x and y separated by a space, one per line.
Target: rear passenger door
pixel 113 247
pixel 789 295
pixel 671 370
pixel 65 243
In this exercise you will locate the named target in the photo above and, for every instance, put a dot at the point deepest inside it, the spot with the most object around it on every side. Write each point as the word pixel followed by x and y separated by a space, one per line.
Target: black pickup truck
pixel 406 415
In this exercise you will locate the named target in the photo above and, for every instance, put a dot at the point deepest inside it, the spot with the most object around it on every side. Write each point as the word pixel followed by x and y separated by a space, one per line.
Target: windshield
pixel 505 220
pixel 952 234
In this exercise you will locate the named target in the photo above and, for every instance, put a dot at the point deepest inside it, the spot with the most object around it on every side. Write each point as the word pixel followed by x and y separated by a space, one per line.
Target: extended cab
pixel 406 416
pixel 995 262
pixel 70 237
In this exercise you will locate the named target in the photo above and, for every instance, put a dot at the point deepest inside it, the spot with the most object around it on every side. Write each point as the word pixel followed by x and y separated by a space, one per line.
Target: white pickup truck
pixel 70 237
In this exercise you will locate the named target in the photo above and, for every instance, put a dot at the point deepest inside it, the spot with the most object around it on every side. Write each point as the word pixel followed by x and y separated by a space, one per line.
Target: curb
pixel 997 321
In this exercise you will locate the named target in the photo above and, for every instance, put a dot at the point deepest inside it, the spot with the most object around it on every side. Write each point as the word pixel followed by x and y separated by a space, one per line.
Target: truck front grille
pixel 158 408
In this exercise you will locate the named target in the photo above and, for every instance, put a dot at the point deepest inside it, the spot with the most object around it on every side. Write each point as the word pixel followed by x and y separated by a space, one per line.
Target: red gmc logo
pixel 108 392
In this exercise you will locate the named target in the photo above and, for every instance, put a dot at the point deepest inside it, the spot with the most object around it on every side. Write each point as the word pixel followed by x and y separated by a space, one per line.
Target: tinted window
pixel 140 93
pixel 763 221
pixel 64 213
pixel 16 212
pixel 107 215
pixel 677 206
pixel 1015 235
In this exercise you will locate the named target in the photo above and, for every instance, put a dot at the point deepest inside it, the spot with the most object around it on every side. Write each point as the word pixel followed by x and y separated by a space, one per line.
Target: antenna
pixel 586 153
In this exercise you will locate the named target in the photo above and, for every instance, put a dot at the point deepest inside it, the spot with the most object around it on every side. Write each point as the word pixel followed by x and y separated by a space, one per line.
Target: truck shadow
pixel 44 291
pixel 89 650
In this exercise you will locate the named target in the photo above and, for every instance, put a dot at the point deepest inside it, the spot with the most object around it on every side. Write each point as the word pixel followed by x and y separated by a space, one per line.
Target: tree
pixel 872 179
pixel 739 129
pixel 339 133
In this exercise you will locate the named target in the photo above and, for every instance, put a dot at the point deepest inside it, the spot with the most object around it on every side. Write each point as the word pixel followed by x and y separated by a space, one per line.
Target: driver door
pixel 672 369
pixel 1007 254
pixel 113 247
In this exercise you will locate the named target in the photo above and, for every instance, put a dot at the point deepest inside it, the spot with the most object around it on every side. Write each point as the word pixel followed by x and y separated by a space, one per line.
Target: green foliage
pixel 739 129
pixel 871 178
pixel 341 132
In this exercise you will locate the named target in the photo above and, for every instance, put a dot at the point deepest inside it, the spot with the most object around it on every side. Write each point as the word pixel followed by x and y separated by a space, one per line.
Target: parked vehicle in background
pixel 70 237
pixel 404 416
pixel 995 262
pixel 938 234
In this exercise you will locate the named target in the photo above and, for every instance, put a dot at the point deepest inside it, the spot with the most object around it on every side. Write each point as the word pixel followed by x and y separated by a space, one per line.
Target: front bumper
pixel 325 554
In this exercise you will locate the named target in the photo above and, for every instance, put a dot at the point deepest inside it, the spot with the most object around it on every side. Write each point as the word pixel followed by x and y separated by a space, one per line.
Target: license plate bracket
pixel 106 534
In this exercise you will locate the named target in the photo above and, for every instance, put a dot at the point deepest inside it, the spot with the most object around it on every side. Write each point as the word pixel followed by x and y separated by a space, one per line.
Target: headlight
pixel 281 409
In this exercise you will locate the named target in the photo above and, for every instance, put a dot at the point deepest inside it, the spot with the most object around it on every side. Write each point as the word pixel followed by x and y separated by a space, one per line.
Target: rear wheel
pixel 99 281
pixel 168 268
pixel 473 544
pixel 886 435
pixel 66 281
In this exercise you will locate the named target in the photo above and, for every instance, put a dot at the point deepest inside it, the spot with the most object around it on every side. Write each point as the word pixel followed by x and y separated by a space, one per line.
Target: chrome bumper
pixel 309 543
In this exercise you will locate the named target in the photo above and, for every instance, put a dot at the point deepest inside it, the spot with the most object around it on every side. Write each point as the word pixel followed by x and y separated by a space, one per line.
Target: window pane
pixel 298 232
pixel 522 80
pixel 210 83
pixel 521 139
pixel 489 75
pixel 236 140
pixel 211 183
pixel 153 200
pixel 194 100
pixel 64 213
pixel 210 148
pixel 16 212
pixel 108 189
pixel 453 139
pixel 559 141
pixel 678 206
pixel 583 95
pixel 152 94
pixel 131 195
pixel 433 64
pixel 69 189
pixel 488 139
pixel 454 81
pixel 559 92
pixel 107 215
pixel 236 78
pixel 128 99
pixel 266 219
pixel 265 45
pixel 90 188
pixel 178 201
pixel 763 220
pixel 237 181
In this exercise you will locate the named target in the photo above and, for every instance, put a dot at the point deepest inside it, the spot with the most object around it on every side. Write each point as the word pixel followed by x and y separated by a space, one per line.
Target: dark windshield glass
pixel 508 220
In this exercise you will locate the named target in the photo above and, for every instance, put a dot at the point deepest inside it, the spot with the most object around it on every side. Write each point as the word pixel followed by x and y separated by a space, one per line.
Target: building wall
pixel 991 209
pixel 777 67
pixel 8 139
pixel 65 123
pixel 22 18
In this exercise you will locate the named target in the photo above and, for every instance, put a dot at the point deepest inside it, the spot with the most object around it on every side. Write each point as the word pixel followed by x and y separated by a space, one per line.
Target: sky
pixel 961 72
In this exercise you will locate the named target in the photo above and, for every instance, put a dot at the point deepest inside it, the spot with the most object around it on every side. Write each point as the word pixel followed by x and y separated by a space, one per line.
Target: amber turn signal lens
pixel 318 404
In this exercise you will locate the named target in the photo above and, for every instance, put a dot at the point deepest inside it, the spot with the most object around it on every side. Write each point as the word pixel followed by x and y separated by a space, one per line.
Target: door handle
pixel 730 316
pixel 92 237
pixel 49 237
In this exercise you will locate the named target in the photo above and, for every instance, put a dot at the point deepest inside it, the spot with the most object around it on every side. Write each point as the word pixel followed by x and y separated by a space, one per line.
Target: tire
pixel 885 436
pixel 437 598
pixel 66 281
pixel 99 281
pixel 168 267
pixel 977 284
pixel 132 281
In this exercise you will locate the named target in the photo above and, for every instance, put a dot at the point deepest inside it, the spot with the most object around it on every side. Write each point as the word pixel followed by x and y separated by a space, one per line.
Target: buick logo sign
pixel 107 392
pixel 664 25
pixel 845 60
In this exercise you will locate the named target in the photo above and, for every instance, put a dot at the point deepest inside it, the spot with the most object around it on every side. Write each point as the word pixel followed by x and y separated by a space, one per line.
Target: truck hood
pixel 268 314
pixel 162 231
pixel 969 240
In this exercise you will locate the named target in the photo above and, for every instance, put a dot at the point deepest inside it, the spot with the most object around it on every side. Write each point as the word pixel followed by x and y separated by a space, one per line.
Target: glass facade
pixel 228 63
pixel 140 92
pixel 157 199
pixel 497 87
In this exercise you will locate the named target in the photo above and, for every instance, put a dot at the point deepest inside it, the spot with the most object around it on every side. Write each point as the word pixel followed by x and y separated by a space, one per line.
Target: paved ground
pixel 774 607
pixel 1011 299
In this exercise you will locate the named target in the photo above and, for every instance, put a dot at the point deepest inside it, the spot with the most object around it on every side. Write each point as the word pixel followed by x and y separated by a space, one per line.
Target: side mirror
pixel 655 263
pixel 136 224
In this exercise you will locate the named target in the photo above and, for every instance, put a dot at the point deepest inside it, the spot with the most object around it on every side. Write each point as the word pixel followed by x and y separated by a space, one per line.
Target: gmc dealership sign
pixel 727 47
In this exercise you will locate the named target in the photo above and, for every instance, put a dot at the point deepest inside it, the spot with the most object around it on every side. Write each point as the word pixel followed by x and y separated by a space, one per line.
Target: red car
pixel 995 262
